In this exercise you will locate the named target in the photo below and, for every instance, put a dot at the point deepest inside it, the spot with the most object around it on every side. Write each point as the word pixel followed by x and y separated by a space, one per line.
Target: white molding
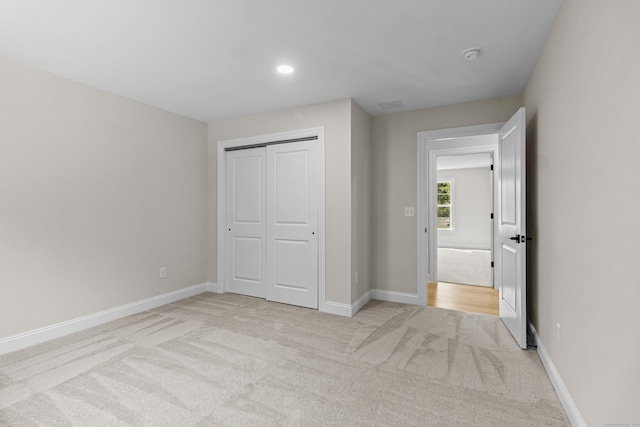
pixel 430 144
pixel 221 181
pixel 338 308
pixel 347 310
pixel 37 336
pixel 213 287
pixel 361 302
pixel 466 246
pixel 424 275
pixel 392 296
pixel 575 418
pixel 460 132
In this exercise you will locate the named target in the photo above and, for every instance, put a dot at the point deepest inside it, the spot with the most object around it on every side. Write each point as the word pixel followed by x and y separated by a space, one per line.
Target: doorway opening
pixel 454 149
pixel 508 147
pixel 464 254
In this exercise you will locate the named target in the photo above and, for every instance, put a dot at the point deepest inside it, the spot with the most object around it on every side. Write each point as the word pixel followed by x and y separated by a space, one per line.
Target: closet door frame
pixel 222 148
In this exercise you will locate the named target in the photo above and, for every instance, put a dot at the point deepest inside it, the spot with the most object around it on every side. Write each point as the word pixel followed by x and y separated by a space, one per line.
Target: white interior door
pixel 246 225
pixel 512 247
pixel 292 223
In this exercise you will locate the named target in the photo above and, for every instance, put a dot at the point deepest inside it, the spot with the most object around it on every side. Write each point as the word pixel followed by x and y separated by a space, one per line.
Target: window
pixel 445 205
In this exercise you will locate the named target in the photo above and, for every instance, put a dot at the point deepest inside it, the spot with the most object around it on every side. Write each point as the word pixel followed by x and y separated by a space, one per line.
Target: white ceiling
pixel 216 59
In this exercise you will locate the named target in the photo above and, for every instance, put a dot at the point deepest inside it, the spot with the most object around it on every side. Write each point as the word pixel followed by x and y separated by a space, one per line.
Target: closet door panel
pixel 246 225
pixel 292 223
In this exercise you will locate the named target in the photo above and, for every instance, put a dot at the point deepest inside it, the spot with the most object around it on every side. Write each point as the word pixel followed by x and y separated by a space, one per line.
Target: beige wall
pixel 361 192
pixel 471 209
pixel 97 192
pixel 335 117
pixel 584 158
pixel 394 173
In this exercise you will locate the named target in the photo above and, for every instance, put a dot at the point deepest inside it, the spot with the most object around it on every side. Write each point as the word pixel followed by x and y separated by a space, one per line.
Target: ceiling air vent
pixel 391 105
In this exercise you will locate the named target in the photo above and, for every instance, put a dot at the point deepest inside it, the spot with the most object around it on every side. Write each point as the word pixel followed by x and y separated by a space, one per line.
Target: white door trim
pixel 221 199
pixel 431 145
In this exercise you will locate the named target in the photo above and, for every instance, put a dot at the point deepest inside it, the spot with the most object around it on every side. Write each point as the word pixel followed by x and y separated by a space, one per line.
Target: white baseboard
pixel 347 310
pixel 335 308
pixel 392 296
pixel 37 336
pixel 213 287
pixel 361 302
pixel 575 418
pixel 466 246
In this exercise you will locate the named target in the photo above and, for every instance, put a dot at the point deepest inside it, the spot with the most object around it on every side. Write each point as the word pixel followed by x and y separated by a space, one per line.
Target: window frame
pixel 451 204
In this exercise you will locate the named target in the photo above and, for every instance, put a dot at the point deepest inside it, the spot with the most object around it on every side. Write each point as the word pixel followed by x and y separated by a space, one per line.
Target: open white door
pixel 512 242
pixel 292 223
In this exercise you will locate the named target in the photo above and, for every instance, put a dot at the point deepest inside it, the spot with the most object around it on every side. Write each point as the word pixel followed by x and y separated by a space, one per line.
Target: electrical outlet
pixel 558 333
pixel 163 272
pixel 409 211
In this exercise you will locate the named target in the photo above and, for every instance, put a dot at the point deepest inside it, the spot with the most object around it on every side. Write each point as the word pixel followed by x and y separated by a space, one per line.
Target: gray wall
pixel 97 193
pixel 394 180
pixel 471 209
pixel 360 201
pixel 583 114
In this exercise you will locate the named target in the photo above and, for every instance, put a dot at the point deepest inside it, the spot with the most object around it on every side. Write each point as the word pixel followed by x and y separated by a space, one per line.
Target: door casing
pixel 222 197
pixel 431 145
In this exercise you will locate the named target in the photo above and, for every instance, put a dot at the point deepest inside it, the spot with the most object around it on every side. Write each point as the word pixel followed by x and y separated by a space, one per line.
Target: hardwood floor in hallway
pixel 469 298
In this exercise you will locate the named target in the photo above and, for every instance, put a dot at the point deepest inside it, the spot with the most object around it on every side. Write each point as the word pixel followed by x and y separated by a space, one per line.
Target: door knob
pixel 516 238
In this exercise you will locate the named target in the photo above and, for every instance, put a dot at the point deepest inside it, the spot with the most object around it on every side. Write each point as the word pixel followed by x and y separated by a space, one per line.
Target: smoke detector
pixel 471 54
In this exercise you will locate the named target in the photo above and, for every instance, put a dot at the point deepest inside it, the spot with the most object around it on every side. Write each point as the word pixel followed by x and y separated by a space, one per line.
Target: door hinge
pixel 491 167
pixel 425 229
pixel 491 264
pixel 491 215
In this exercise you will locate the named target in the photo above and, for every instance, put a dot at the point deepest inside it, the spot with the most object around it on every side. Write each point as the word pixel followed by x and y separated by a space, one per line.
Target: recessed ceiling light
pixel 285 69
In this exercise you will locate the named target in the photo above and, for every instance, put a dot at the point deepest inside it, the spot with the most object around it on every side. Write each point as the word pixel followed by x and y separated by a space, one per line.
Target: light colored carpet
pixel 233 360
pixel 464 266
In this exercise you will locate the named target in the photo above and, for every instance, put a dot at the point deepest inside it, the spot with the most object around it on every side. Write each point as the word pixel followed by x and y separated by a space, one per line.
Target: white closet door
pixel 246 225
pixel 292 223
